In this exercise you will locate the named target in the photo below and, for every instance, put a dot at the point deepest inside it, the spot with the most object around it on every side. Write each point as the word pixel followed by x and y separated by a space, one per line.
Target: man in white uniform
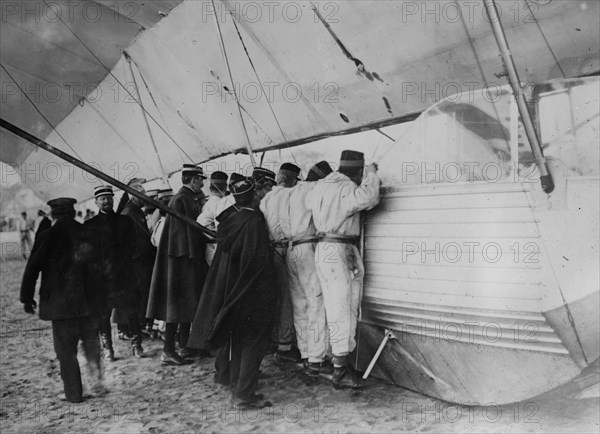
pixel 336 202
pixel 218 189
pixel 305 289
pixel 275 205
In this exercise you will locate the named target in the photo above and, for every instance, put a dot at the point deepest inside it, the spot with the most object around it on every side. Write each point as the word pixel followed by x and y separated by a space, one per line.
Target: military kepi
pixel 235 177
pixel 193 170
pixel 352 159
pixel 62 202
pixel 290 170
pixel 103 190
pixel 319 171
pixel 62 205
pixel 260 174
pixel 242 190
pixel 166 193
pixel 218 178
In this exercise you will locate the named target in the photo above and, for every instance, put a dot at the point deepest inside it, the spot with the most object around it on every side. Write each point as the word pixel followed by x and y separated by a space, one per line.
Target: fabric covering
pixel 314 80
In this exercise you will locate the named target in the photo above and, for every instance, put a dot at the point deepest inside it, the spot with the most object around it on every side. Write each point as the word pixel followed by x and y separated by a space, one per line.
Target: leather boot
pixel 343 375
pixel 137 350
pixel 107 347
pixel 345 378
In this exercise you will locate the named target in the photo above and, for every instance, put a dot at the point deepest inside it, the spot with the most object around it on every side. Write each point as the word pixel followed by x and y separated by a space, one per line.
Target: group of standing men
pixel 284 267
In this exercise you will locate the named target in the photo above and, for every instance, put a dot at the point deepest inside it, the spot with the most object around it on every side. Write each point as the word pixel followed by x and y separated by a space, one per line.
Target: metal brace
pixel 388 335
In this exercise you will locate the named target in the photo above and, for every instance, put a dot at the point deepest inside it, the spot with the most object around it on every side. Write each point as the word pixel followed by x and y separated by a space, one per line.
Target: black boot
pixel 107 347
pixel 344 377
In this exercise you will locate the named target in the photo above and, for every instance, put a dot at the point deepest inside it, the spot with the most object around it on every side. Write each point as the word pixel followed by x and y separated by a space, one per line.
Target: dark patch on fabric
pixel 387 105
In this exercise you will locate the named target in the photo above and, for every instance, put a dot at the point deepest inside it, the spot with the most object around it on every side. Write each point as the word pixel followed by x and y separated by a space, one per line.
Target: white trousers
pixel 307 301
pixel 341 272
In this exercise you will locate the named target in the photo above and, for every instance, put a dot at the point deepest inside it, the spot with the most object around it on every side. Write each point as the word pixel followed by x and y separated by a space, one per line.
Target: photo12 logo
pixel 289 12
pixel 255 92
pixel 70 12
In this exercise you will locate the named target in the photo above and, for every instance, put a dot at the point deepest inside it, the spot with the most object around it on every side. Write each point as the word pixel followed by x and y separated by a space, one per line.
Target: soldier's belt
pixel 335 238
pixel 304 241
pixel 283 244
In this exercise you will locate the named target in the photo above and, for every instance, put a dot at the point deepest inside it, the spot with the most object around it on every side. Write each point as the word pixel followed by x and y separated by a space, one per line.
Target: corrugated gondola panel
pixel 445 248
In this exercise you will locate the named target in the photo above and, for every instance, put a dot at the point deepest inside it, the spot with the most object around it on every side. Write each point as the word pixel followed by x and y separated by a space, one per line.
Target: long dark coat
pixel 180 267
pixel 240 291
pixel 114 235
pixel 63 254
pixel 141 261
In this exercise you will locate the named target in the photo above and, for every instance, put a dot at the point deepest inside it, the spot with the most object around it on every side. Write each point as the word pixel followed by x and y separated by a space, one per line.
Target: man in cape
pixel 236 309
pixel 179 269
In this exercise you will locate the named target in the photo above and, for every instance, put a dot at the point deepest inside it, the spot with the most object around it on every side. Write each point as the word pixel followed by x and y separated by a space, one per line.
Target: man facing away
pixel 237 306
pixel 41 223
pixel 305 289
pixel 114 234
pixel 218 190
pixel 275 206
pixel 179 270
pixel 336 202
pixel 63 255
pixel 228 200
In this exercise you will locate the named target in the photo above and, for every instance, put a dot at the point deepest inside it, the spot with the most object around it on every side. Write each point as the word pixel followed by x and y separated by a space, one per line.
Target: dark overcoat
pixel 114 235
pixel 141 261
pixel 180 266
pixel 63 254
pixel 240 291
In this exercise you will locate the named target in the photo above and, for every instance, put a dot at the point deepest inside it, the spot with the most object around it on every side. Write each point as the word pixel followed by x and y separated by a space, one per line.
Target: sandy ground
pixel 150 398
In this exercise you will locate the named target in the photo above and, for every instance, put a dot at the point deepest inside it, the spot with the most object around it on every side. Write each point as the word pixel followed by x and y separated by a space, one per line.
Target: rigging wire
pixel 480 67
pixel 537 23
pixel 181 152
pixel 137 90
pixel 226 59
pixel 40 112
pixel 113 129
pixel 115 78
pixel 261 85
